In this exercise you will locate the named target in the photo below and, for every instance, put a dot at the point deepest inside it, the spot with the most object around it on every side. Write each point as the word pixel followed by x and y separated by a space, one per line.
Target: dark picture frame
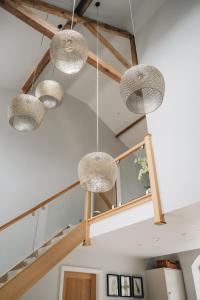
pixel 113 288
pixel 137 287
pixel 125 286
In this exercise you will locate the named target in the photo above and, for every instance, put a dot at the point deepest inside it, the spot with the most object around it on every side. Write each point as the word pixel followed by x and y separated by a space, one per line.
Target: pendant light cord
pixel 132 20
pixel 73 12
pixel 35 71
pixel 97 77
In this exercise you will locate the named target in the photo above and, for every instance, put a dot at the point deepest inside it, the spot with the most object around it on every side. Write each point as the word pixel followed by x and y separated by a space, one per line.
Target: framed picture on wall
pixel 125 286
pixel 112 285
pixel 137 284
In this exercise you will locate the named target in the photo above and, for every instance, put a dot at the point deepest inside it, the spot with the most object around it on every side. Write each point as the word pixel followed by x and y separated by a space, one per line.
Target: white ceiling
pixel 181 233
pixel 20 51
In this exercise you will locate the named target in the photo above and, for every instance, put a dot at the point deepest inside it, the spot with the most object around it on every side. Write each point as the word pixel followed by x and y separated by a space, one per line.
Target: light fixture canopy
pixel 142 89
pixel 69 51
pixel 25 112
pixel 50 93
pixel 97 172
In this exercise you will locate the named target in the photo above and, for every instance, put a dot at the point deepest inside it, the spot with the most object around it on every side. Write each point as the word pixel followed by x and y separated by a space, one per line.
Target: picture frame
pixel 125 286
pixel 113 289
pixel 137 287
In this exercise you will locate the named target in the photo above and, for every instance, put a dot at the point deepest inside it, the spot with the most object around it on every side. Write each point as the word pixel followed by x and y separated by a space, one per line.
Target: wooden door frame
pixel 97 272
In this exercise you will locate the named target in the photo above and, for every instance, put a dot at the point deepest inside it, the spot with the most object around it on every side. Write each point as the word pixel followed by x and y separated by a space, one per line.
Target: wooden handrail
pixel 123 207
pixel 129 151
pixel 45 202
pixel 42 204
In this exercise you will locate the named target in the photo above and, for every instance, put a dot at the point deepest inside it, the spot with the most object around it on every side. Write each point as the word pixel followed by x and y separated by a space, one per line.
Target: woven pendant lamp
pixel 97 171
pixel 69 51
pixel 142 89
pixel 25 113
pixel 50 93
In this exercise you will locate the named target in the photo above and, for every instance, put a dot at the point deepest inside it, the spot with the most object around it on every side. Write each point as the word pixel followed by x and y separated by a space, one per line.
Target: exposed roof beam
pixel 104 67
pixel 108 45
pixel 66 14
pixel 36 72
pixel 130 126
pixel 83 6
pixel 40 66
pixel 27 16
pixel 48 30
pixel 133 50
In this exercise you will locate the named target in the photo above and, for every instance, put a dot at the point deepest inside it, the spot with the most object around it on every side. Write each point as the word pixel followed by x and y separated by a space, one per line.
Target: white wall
pixel 170 40
pixel 36 165
pixel 186 260
pixel 48 287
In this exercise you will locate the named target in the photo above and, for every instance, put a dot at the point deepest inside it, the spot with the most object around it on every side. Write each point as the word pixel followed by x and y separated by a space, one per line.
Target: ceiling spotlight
pixel 26 112
pixel 50 93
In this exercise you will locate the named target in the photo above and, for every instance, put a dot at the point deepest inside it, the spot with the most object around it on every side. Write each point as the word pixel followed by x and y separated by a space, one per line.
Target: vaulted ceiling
pixel 20 52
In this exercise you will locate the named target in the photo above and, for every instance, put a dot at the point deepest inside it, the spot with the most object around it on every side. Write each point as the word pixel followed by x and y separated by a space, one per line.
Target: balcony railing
pixel 28 232
pixel 131 189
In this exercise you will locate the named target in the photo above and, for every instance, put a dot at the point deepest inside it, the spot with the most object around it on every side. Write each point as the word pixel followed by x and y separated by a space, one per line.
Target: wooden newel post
pixel 87 241
pixel 158 215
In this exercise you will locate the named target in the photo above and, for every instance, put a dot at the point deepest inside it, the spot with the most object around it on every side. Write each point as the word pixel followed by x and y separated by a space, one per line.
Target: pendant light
pixel 50 93
pixel 142 87
pixel 69 50
pixel 25 113
pixel 97 170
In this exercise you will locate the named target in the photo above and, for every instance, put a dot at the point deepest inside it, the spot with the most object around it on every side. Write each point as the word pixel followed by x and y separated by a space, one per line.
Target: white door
pixel 175 284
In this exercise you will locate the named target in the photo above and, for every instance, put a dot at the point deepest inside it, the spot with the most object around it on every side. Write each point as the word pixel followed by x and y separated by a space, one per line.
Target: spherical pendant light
pixel 69 51
pixel 26 112
pixel 97 172
pixel 142 89
pixel 50 93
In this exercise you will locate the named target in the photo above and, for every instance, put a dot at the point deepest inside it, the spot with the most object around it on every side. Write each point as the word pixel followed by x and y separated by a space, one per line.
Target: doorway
pixel 79 286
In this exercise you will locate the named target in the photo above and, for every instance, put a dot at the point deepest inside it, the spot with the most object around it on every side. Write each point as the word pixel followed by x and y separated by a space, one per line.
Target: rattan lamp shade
pixel 69 51
pixel 26 112
pixel 50 93
pixel 142 89
pixel 97 172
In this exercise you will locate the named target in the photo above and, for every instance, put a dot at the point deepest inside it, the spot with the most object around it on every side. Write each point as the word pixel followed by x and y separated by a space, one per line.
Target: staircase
pixel 18 280
pixel 35 241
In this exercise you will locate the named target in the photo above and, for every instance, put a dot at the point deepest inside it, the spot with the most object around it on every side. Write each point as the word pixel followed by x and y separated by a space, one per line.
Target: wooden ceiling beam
pixel 40 66
pixel 108 45
pixel 82 7
pixel 104 67
pixel 133 50
pixel 66 14
pixel 36 72
pixel 27 16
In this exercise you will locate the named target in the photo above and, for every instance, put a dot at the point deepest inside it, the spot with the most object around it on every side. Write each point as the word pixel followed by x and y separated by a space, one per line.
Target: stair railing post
pixel 87 241
pixel 158 215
